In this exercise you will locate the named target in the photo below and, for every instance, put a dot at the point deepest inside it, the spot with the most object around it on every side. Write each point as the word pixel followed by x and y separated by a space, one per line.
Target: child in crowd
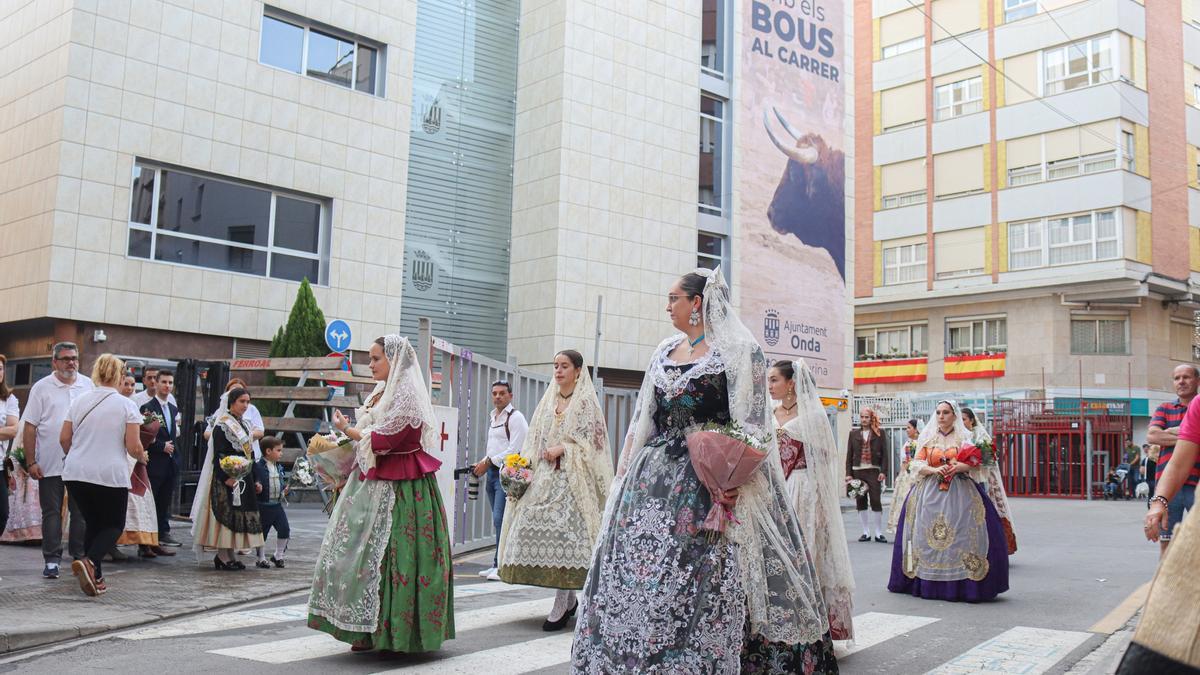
pixel 270 480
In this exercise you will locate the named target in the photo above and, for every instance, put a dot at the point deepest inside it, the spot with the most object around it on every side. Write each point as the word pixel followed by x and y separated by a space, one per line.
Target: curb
pixel 12 642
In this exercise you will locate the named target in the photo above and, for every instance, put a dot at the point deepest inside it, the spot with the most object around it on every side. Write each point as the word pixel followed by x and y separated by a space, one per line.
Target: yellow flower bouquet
pixel 515 476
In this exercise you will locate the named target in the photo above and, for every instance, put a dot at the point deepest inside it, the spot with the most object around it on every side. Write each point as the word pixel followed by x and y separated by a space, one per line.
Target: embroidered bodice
pixel 693 401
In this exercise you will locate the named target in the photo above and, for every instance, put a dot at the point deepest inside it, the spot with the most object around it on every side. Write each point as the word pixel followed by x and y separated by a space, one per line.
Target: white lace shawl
pixel 587 465
pixel 816 489
pixel 404 402
pixel 784 602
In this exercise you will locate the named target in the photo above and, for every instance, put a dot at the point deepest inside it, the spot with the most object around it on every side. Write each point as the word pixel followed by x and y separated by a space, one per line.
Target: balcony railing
pixel 1063 168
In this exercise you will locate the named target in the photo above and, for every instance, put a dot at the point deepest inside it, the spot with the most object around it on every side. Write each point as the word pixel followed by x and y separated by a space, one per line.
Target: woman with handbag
pixel 100 430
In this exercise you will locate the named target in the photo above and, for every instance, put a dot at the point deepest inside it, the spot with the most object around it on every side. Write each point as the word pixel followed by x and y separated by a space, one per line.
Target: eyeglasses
pixel 68 359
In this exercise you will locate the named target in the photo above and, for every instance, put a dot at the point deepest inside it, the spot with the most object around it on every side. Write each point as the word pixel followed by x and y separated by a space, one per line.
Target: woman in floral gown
pixel 904 477
pixel 949 544
pixel 810 457
pixel 995 483
pixel 383 578
pixel 663 596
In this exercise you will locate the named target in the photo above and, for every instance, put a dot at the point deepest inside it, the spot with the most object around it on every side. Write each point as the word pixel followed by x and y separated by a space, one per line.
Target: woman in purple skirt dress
pixel 950 544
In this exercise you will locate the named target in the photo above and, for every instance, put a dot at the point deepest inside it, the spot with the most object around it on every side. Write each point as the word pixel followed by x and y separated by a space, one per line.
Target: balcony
pixel 1085 105
pixel 1075 193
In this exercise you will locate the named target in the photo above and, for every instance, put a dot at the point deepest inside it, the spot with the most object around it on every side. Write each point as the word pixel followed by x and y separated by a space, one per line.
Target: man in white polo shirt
pixel 49 400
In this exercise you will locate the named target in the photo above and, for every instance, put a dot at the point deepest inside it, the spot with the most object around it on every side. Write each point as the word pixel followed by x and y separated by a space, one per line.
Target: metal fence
pixel 1059 447
pixel 463 380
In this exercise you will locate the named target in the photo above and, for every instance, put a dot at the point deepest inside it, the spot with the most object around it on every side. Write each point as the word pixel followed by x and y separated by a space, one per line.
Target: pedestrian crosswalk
pixel 518 611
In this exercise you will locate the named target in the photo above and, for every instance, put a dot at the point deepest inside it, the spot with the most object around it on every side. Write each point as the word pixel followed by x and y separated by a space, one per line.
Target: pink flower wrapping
pixel 722 462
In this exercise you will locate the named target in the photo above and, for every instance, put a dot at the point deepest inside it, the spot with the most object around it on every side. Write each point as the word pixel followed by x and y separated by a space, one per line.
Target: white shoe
pixel 494 576
pixel 488 572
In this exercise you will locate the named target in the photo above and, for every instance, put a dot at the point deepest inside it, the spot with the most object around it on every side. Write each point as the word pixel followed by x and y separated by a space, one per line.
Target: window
pixel 321 54
pixel 1019 9
pixel 1025 245
pixel 892 342
pixel 904 264
pixel 958 98
pixel 905 199
pixel 1068 240
pixel 710 250
pixel 977 336
pixel 712 38
pixel 1099 335
pixel 1076 65
pixel 910 45
pixel 197 220
pixel 712 162
pixel 25 372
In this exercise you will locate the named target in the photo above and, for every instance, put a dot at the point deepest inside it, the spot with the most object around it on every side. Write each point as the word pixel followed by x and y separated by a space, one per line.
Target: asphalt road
pixel 1076 562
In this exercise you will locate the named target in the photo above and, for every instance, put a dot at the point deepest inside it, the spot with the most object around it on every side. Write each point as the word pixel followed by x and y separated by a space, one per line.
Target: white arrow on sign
pixel 340 336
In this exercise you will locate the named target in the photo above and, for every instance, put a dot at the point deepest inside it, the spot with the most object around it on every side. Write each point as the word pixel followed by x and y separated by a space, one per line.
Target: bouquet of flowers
pixel 301 474
pixel 332 456
pixel 151 423
pixel 515 476
pixel 724 457
pixel 236 467
pixel 910 451
pixel 987 452
pixel 937 458
pixel 855 488
pixel 16 457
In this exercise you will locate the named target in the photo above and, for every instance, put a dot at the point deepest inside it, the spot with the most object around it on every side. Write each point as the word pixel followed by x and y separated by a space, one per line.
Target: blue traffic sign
pixel 337 335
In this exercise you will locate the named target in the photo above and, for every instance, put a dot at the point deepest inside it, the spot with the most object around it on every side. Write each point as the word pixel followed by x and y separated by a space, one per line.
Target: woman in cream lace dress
pixel 549 532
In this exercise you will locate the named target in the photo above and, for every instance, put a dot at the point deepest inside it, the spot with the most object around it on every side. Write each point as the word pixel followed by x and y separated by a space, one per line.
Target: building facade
pixel 532 176
pixel 1032 229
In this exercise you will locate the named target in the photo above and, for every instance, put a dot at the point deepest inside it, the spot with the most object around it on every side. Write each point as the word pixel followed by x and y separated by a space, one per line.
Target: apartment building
pixel 1033 223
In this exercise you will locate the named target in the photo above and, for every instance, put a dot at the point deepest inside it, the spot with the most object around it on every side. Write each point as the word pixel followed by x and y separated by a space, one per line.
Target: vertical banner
pixel 791 182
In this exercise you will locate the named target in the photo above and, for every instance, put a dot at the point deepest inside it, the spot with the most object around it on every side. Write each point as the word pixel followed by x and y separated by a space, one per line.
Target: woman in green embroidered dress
pixel 549 532
pixel 383 578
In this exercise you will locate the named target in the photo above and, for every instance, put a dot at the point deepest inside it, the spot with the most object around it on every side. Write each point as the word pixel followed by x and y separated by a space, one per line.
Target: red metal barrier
pixel 1042 444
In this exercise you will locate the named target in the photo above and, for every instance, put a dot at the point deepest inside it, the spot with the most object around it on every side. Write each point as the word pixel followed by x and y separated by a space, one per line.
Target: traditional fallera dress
pixel 905 478
pixel 950 544
pixel 24 509
pixel 814 484
pixel 662 595
pixel 383 578
pixel 141 518
pixel 229 526
pixel 995 488
pixel 548 534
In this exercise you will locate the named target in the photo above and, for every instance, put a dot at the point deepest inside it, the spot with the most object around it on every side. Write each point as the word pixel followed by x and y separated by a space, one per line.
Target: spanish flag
pixel 969 367
pixel 898 370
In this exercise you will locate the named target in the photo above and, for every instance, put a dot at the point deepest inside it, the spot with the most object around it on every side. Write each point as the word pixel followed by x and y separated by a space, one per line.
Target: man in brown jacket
pixel 867 460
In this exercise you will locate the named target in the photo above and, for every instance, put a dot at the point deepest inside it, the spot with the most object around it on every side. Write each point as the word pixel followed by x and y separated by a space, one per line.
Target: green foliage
pixel 303 335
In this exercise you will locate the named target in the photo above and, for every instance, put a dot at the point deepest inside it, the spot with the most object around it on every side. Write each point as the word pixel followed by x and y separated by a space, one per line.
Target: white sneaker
pixel 488 572
pixel 494 576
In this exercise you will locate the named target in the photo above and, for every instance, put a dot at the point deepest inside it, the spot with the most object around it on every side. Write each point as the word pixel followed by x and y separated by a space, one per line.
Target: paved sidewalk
pixel 39 611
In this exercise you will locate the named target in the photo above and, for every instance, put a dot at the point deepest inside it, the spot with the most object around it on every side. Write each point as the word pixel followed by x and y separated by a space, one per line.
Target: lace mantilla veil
pixel 783 599
pixel 586 460
pixel 811 427
pixel 200 502
pixel 930 433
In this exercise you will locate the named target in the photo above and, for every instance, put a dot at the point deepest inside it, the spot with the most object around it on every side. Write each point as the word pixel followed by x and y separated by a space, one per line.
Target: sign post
pixel 337 335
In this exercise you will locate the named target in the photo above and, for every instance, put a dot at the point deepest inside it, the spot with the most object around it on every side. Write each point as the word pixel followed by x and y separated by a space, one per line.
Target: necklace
pixel 787 409
pixel 692 344
pixel 567 397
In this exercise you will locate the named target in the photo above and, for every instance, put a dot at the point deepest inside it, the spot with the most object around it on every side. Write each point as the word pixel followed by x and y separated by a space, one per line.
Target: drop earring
pixel 694 318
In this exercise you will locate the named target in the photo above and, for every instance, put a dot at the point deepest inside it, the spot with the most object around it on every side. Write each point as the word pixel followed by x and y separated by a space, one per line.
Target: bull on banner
pixel 791 180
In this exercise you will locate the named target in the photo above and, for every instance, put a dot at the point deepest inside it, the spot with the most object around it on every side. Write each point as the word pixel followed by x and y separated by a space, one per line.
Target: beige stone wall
pixel 36 44
pixel 180 83
pixel 605 179
pixel 1039 340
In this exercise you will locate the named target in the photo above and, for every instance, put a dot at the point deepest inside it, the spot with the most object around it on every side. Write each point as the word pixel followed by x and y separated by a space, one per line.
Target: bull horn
pixel 800 155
